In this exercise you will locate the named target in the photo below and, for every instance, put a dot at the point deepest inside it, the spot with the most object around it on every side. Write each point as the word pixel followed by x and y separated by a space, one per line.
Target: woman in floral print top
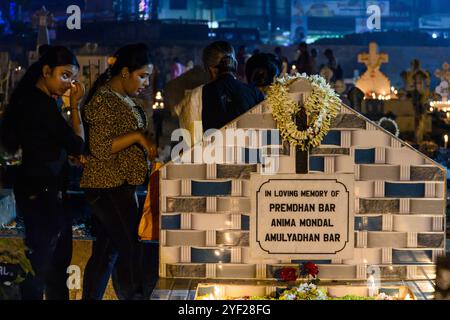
pixel 116 164
pixel 110 116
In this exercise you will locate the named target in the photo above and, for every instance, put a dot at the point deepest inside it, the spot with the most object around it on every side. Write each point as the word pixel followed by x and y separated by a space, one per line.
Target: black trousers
pixel 116 217
pixel 48 241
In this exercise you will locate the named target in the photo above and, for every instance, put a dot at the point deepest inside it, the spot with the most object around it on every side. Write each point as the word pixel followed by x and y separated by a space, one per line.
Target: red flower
pixel 311 269
pixel 288 274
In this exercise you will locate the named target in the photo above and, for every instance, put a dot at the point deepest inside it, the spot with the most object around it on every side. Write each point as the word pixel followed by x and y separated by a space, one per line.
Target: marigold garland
pixel 321 106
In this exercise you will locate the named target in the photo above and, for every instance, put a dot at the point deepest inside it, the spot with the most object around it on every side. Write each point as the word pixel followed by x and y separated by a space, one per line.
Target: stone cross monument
pixel 373 81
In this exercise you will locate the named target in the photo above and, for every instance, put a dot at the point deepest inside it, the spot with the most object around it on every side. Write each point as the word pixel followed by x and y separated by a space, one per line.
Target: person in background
pixel 176 69
pixel 189 66
pixel 256 51
pixel 221 99
pixel 303 62
pixel 33 124
pixel 333 64
pixel 284 61
pixel 116 164
pixel 262 69
pixel 224 98
pixel 314 61
pixel 331 60
pixel 241 58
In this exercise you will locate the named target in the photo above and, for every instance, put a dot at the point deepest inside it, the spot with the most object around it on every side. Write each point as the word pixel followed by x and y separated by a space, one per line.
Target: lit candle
pixel 372 288
pixel 445 141
pixel 293 69
pixel 218 293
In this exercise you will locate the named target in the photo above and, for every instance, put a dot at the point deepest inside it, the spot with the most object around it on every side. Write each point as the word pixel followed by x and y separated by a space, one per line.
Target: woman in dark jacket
pixel 33 124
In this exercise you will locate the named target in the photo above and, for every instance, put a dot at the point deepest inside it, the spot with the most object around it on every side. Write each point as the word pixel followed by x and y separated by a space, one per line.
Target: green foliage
pixel 12 252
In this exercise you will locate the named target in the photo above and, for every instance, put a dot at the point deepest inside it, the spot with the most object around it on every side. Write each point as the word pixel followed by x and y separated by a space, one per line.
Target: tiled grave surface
pixel 185 289
pixel 399 203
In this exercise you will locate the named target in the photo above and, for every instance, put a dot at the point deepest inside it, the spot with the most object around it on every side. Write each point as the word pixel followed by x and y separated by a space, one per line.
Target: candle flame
pixel 372 287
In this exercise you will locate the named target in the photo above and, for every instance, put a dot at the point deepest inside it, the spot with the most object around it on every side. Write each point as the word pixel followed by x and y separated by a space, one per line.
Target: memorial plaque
pixel 302 216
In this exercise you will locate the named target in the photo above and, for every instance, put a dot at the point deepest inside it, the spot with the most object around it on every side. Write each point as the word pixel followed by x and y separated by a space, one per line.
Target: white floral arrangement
pixel 321 106
pixel 394 124
pixel 305 291
pixel 384 296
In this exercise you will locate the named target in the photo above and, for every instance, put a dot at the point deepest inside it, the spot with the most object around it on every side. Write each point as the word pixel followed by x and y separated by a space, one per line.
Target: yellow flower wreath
pixel 321 106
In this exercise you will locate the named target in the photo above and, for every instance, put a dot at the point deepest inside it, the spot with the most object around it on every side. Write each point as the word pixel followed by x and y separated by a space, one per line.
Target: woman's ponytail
pixel 9 133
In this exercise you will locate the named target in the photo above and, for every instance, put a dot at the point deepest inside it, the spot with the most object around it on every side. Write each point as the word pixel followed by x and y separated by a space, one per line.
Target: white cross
pixel 444 73
pixel 373 59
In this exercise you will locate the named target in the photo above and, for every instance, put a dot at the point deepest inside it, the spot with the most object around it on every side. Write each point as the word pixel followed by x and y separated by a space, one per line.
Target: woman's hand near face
pixel 76 93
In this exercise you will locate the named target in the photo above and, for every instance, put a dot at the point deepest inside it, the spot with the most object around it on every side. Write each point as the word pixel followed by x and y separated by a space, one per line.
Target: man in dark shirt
pixel 225 98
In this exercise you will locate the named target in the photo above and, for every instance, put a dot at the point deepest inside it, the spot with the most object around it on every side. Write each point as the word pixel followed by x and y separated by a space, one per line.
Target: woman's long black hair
pixel 131 56
pixel 54 56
